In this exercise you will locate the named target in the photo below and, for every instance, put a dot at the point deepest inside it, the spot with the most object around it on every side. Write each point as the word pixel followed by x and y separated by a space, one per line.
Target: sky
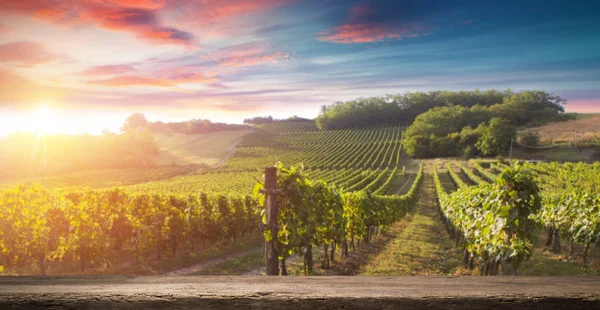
pixel 94 62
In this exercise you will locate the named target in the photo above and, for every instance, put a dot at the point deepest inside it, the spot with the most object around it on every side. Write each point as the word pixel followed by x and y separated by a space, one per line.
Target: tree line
pixel 194 126
pixel 458 130
pixel 269 119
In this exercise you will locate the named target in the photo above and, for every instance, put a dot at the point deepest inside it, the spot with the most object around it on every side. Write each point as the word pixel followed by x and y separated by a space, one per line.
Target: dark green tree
pixel 495 136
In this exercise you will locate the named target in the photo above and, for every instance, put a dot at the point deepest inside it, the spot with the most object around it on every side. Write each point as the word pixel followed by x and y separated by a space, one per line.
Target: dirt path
pixel 408 181
pixel 230 152
pixel 210 263
pixel 422 247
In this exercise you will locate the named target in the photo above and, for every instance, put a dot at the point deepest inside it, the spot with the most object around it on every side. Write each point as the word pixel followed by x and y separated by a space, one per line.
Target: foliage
pixel 138 121
pixel 312 213
pixel 494 219
pixel 496 136
pixel 571 203
pixel 430 133
pixel 400 108
pixel 528 138
pixel 38 226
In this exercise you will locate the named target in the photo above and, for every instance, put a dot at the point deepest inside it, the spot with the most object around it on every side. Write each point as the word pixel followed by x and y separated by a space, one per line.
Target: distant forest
pixel 446 123
pixel 527 107
pixel 269 119
pixel 193 126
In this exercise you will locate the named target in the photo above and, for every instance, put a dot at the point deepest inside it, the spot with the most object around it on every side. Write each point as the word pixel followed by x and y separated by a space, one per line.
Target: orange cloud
pixel 142 4
pixel 139 17
pixel 18 91
pixel 214 11
pixel 27 53
pixel 108 70
pixel 130 80
pixel 143 23
pixel 361 33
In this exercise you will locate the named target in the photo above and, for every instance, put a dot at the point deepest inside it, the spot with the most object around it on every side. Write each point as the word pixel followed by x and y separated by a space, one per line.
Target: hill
pixel 583 129
pixel 205 148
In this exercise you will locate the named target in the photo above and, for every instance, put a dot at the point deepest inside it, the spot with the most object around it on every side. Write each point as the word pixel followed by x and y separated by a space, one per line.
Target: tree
pixel 495 136
pixel 135 121
pixel 528 138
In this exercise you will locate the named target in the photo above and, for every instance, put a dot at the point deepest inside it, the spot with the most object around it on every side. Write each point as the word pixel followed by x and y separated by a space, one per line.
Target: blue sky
pixel 230 59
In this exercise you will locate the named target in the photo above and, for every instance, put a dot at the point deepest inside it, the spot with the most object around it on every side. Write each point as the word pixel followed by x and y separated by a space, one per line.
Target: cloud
pixel 108 70
pixel 17 91
pixel 139 17
pixel 366 24
pixel 141 22
pixel 132 80
pixel 214 11
pixel 247 55
pixel 28 53
pixel 3 28
pixel 254 60
pixel 359 33
pixel 143 4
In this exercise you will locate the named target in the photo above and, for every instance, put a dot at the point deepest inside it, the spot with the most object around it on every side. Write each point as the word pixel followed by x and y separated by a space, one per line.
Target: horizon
pixel 93 63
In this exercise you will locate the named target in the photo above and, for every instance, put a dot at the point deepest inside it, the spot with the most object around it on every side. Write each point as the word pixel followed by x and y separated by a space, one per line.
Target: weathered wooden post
pixel 272 209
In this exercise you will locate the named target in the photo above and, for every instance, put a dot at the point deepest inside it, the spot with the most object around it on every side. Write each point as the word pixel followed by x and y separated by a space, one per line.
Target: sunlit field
pixel 146 201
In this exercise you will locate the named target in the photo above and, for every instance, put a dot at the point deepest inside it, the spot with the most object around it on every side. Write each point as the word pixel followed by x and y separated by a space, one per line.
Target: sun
pixel 43 119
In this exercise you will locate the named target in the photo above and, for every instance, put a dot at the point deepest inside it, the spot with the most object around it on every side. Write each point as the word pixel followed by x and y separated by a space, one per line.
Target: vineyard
pixel 339 188
pixel 44 227
pixel 494 213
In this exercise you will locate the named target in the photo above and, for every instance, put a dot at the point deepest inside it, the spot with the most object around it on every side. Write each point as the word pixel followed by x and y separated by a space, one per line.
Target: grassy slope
pixel 104 178
pixel 207 148
pixel 581 129
pixel 188 152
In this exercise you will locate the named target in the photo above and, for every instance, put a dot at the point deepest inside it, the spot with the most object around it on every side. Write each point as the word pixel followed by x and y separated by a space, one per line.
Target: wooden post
pixel 272 210
pixel 511 147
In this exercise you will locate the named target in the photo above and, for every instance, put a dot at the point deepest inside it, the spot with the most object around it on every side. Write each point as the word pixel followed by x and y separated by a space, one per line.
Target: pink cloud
pixel 246 55
pixel 142 4
pixel 3 28
pixel 27 53
pixel 254 60
pixel 141 22
pixel 363 25
pixel 213 11
pixel 139 17
pixel 131 80
pixel 361 33
pixel 108 70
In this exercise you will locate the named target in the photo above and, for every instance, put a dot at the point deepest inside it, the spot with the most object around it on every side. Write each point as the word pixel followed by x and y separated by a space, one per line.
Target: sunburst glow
pixel 44 121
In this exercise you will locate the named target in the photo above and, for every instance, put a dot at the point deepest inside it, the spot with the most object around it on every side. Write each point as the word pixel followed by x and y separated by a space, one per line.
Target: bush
pixel 469 152
pixel 496 136
pixel 528 138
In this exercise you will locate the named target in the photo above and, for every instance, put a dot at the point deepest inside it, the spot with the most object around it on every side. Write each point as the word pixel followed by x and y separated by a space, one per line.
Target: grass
pixel 584 128
pixel 546 263
pixel 560 154
pixel 422 247
pixel 104 178
pixel 235 266
pixel 207 148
